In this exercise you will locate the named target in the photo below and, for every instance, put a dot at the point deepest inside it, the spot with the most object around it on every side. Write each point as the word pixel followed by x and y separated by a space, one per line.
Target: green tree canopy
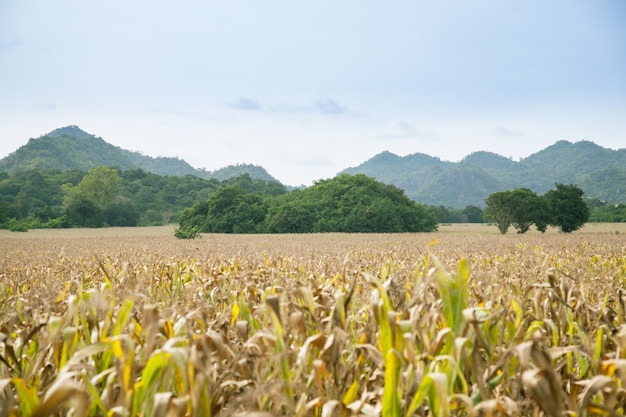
pixel 473 214
pixel 563 208
pixel 524 205
pixel 349 203
pixel 87 202
pixel 569 210
pixel 498 208
pixel 346 203
pixel 99 186
pixel 83 212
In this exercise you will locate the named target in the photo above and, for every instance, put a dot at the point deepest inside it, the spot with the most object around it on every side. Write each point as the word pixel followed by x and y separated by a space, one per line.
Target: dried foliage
pixel 449 324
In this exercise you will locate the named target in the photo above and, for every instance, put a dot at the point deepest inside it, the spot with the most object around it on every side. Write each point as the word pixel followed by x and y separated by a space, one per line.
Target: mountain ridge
pixel 599 171
pixel 70 147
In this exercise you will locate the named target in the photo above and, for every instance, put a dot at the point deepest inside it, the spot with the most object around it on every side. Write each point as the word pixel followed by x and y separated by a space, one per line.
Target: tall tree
pixel 524 206
pixel 569 211
pixel 499 209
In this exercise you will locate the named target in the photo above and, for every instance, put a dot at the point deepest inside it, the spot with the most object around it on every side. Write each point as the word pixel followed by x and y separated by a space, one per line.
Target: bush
pixel 18 225
pixel 189 232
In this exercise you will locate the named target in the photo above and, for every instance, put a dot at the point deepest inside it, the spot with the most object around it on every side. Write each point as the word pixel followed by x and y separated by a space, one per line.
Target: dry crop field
pixel 461 322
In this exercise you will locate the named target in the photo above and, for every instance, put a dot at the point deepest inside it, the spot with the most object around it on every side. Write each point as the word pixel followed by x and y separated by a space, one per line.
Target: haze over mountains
pixel 599 171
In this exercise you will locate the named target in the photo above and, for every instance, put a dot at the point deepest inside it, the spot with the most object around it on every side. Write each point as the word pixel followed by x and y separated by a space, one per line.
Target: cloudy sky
pixel 308 88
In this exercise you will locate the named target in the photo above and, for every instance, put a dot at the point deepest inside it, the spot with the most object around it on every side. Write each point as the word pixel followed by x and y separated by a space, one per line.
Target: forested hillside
pixel 137 198
pixel 70 148
pixel 600 172
pixel 34 178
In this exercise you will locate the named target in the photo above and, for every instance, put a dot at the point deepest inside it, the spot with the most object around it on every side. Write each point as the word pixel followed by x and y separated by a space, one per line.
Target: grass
pixel 134 322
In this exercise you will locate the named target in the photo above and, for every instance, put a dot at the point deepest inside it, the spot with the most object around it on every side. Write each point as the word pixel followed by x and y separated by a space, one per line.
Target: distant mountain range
pixel 600 172
pixel 71 148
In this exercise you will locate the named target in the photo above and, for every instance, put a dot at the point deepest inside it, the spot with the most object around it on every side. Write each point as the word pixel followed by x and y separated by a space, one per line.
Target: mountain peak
pixel 71 130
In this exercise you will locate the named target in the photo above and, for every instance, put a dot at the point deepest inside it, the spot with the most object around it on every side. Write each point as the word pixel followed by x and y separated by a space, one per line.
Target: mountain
pixel 408 172
pixel 600 172
pixel 70 148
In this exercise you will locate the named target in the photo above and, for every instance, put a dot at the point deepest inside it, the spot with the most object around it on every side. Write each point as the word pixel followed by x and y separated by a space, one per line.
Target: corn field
pixel 133 322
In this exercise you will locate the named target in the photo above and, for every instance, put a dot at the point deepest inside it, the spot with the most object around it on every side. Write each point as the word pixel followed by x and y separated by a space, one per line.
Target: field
pixel 461 322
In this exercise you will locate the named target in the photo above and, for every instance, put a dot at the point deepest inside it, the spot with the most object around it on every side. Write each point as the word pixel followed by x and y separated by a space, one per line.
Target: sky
pixel 309 88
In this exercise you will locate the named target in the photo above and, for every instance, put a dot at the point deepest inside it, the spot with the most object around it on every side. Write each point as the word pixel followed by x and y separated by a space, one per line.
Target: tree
pixel 91 197
pixel 290 217
pixel 122 213
pixel 608 213
pixel 543 215
pixel 99 185
pixel 346 203
pixel 349 203
pixel 232 210
pixel 569 210
pixel 473 214
pixel 499 209
pixel 83 212
pixel 524 205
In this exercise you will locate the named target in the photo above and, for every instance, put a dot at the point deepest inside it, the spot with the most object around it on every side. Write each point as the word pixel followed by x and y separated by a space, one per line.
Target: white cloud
pixel 329 106
pixel 402 129
pixel 504 131
pixel 247 104
pixel 47 106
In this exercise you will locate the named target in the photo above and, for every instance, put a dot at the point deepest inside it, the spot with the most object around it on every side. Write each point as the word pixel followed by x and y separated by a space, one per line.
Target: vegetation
pixel 343 204
pixel 611 213
pixel 564 208
pixel 567 208
pixel 600 172
pixel 50 199
pixel 36 199
pixel 70 148
pixel 426 179
pixel 143 324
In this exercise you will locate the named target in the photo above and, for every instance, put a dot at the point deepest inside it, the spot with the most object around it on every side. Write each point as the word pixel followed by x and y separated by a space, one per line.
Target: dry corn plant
pixel 314 325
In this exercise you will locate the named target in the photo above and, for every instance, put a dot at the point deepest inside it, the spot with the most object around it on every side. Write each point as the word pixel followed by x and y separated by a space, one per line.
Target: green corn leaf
pixel 27 396
pixel 453 293
pixel 285 371
pixel 150 380
pixel 392 406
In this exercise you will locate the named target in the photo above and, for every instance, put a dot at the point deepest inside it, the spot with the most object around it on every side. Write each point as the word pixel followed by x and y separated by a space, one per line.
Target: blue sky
pixel 308 88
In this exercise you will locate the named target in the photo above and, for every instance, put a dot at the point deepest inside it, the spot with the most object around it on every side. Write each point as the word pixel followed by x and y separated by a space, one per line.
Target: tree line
pixel 563 207
pixel 99 197
pixel 346 203
pixel 109 197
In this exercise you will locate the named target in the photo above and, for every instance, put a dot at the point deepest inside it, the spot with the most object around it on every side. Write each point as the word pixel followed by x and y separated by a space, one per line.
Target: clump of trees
pixel 109 197
pixel 94 201
pixel 563 207
pixel 346 203
pixel 601 211
pixel 53 198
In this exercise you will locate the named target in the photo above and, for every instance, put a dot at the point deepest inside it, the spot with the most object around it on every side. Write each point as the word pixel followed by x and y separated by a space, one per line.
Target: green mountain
pixel 600 172
pixel 70 148
pixel 408 172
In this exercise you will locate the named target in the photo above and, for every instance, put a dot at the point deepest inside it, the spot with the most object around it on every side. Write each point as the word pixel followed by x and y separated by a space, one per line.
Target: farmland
pixel 463 321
